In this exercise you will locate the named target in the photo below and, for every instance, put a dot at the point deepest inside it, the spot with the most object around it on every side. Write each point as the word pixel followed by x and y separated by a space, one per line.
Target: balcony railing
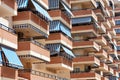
pixel 86 60
pixel 7 28
pixel 59 15
pixel 86 75
pixel 10 9
pixel 104 78
pixel 60 60
pixel 59 38
pixel 85 29
pixel 86 45
pixel 103 67
pixel 8 36
pixel 101 40
pixel 101 53
pixel 27 19
pixel 85 13
pixel 33 49
pixel 38 73
pixel 87 3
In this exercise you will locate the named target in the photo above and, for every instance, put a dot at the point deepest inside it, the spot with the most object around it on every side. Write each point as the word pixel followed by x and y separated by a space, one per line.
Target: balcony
pixel 60 62
pixel 67 2
pixel 59 38
pixel 107 24
pixel 8 36
pixel 102 28
pixel 106 2
pixel 101 54
pixel 59 15
pixel 35 75
pixel 111 70
pixel 7 75
pixel 87 45
pixel 30 24
pixel 108 35
pixel 103 67
pixel 85 13
pixel 8 8
pixel 109 59
pixel 101 40
pixel 85 30
pixel 112 32
pixel 33 51
pixel 99 14
pixel 108 47
pixel 101 2
pixel 104 78
pixel 86 60
pixel 85 76
pixel 83 4
pixel 116 73
pixel 112 21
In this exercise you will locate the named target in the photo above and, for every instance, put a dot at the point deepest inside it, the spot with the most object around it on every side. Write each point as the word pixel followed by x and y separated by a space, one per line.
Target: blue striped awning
pixel 12 57
pixel 59 26
pixel 117 22
pixel 55 49
pixel 118 48
pixel 22 3
pixel 53 4
pixel 41 10
pixel 67 9
pixel 81 20
pixel 1 57
pixel 68 51
pixel 117 31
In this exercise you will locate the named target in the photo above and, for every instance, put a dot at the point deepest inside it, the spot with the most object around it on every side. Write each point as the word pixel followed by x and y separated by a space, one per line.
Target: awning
pixel 117 22
pixel 117 31
pixel 58 26
pixel 22 3
pixel 68 51
pixel 55 49
pixel 12 57
pixel 41 10
pixel 66 8
pixel 1 58
pixel 81 20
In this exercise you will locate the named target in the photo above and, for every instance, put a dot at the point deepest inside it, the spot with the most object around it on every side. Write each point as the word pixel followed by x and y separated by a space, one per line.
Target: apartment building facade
pixel 59 39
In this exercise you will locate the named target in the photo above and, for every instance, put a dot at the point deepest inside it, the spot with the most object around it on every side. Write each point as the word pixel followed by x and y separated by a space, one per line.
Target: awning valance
pixel 59 26
pixel 55 49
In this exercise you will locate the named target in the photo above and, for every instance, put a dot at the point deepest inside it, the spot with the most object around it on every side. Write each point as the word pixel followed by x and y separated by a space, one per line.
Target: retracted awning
pixel 12 57
pixel 22 3
pixel 58 26
pixel 41 10
pixel 55 49
pixel 81 20
pixel 1 58
pixel 117 30
pixel 67 9
pixel 68 51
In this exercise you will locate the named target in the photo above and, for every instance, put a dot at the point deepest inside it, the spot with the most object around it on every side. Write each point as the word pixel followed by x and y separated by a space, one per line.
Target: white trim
pixel 59 41
pixel 33 53
pixel 8 43
pixel 32 23
pixel 11 10
pixel 4 78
